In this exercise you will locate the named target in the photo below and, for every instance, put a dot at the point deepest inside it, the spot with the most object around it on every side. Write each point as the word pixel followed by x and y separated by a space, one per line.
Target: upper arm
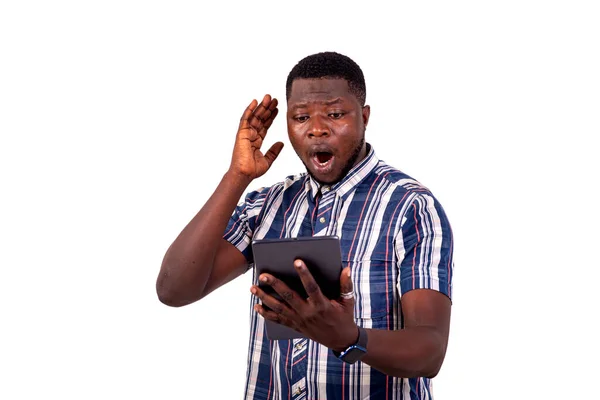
pixel 424 247
pixel 229 263
pixel 234 254
pixel 426 308
pixel 244 221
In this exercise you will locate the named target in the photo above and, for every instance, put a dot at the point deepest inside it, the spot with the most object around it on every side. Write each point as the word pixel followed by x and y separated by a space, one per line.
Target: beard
pixel 347 167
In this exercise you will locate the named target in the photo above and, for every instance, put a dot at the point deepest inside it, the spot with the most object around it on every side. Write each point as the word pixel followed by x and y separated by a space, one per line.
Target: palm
pixel 248 159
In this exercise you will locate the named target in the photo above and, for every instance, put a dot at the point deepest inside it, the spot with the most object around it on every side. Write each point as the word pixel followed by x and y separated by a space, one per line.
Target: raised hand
pixel 248 160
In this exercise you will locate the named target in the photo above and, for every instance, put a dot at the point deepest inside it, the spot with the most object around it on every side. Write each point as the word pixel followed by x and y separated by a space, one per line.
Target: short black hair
pixel 329 64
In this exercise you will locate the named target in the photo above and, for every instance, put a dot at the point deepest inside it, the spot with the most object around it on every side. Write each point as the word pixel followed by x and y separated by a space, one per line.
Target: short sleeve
pixel 424 247
pixel 243 222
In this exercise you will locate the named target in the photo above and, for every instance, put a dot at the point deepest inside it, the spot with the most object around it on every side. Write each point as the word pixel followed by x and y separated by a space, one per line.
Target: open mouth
pixel 323 157
pixel 322 162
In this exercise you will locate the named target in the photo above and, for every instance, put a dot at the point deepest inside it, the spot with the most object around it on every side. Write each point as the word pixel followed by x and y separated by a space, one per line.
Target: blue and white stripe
pixel 395 237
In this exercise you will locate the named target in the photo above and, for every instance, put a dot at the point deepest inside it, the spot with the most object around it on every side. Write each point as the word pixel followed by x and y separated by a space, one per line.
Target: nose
pixel 318 127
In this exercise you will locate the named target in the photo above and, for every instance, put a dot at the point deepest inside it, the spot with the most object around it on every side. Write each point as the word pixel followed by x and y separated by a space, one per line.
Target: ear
pixel 366 113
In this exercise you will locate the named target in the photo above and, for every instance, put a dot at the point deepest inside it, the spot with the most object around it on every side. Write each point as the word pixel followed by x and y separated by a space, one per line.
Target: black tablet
pixel 322 256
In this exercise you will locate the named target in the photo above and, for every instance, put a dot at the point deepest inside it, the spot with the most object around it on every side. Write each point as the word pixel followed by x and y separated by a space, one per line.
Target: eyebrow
pixel 327 103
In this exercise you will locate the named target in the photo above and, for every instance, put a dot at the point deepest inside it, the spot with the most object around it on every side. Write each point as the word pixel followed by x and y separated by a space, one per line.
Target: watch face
pixel 353 354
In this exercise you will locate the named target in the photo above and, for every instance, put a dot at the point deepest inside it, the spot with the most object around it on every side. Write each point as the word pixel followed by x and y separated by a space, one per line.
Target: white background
pixel 117 121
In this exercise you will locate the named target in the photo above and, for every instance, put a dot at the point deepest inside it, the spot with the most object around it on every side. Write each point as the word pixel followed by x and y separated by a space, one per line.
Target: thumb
pixel 346 287
pixel 273 152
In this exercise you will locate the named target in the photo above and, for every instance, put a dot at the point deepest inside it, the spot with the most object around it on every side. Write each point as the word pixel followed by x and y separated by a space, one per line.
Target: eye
pixel 336 115
pixel 301 118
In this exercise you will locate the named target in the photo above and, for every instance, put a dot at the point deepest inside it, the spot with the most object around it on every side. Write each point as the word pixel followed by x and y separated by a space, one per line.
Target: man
pixel 395 239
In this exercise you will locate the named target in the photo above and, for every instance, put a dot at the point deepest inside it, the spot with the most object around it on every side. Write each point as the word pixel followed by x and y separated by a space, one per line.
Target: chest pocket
pixel 375 299
pixel 374 274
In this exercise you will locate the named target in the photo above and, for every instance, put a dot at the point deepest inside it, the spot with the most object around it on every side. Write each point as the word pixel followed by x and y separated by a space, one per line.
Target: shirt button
pixel 322 220
pixel 298 391
pixel 299 346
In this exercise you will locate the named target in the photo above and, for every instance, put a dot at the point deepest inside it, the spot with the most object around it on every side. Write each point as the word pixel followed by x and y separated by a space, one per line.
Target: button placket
pixel 298 368
pixel 324 209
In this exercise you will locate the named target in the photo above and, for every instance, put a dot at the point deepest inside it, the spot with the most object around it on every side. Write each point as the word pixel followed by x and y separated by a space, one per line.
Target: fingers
pixel 275 305
pixel 346 287
pixel 268 122
pixel 263 116
pixel 248 114
pixel 273 316
pixel 263 111
pixel 273 152
pixel 310 285
pixel 288 295
pixel 259 116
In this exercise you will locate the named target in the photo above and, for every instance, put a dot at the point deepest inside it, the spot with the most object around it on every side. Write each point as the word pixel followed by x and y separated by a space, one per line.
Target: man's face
pixel 326 126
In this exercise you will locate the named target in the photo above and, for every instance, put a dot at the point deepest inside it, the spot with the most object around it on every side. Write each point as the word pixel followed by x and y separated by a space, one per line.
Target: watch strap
pixel 359 347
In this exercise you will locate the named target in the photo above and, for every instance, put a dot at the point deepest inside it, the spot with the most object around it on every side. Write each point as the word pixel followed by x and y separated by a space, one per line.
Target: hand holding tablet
pixel 322 258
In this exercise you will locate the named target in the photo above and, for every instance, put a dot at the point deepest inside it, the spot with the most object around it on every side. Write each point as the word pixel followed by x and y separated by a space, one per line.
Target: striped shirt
pixel 395 237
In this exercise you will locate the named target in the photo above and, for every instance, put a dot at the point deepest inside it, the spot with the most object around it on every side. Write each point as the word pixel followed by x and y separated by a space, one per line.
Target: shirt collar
pixel 355 176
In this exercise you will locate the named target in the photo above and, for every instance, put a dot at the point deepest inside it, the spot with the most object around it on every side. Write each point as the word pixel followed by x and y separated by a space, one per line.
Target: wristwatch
pixel 356 351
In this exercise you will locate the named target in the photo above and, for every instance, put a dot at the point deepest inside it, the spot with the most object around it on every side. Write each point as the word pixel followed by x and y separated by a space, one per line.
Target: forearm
pixel 188 262
pixel 407 353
